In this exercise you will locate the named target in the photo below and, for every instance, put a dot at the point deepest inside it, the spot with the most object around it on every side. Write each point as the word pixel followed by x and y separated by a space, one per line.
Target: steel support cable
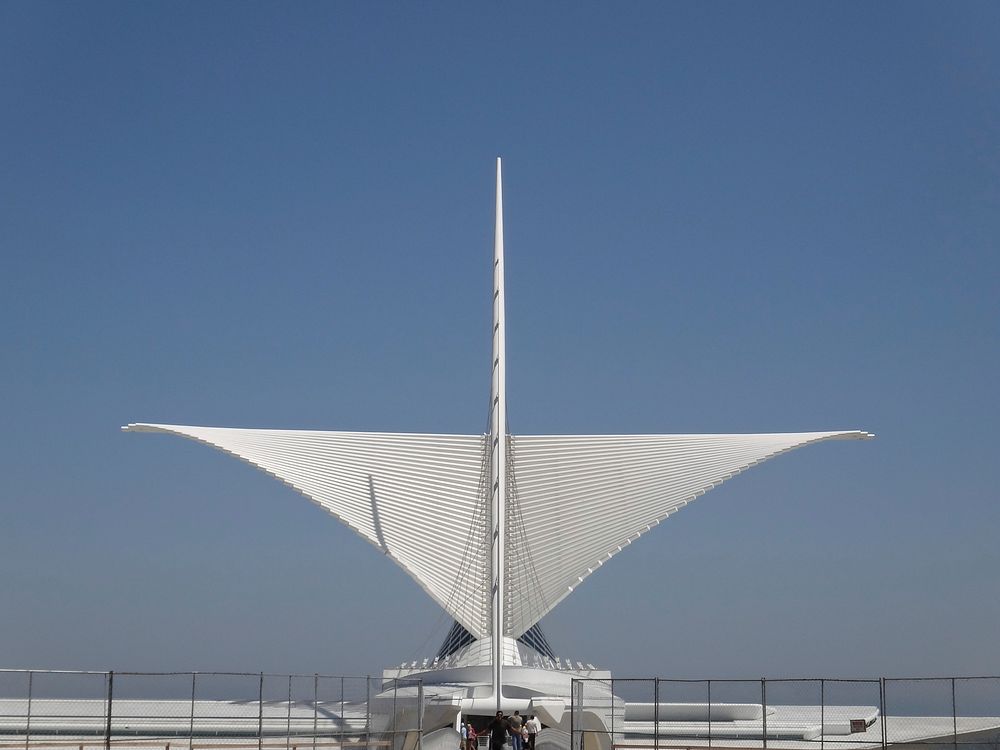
pixel 465 586
pixel 460 592
pixel 520 571
pixel 526 570
pixel 473 552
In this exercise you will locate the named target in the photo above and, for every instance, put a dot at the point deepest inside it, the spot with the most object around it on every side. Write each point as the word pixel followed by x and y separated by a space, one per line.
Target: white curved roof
pixel 574 501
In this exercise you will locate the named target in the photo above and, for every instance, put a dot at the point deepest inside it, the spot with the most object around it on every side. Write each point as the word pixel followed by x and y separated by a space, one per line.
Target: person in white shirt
pixel 534 726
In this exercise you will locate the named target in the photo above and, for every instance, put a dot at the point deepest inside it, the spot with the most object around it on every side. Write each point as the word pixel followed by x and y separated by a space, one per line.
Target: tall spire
pixel 498 449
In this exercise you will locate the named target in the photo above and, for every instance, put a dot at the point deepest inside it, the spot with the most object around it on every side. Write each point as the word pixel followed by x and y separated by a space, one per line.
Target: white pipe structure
pixel 498 451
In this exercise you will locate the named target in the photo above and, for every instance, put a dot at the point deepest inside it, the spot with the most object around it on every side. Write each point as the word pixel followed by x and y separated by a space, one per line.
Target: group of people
pixel 521 732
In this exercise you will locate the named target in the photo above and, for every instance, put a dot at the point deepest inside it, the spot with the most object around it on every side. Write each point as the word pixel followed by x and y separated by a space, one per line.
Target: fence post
pixel 368 710
pixel 611 701
pixel 572 713
pixel 194 677
pixel 710 713
pixel 822 714
pixel 954 717
pixel 763 711
pixel 260 713
pixel 881 708
pixel 656 713
pixel 107 726
pixel 315 706
pixel 288 718
pixel 420 715
pixel 343 721
pixel 27 725
pixel 395 691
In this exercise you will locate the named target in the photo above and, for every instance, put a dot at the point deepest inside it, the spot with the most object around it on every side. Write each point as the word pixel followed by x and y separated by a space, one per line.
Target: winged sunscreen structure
pixel 524 518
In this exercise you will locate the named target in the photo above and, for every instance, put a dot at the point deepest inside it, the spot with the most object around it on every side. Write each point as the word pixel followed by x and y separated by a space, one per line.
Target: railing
pixel 42 709
pixel 786 714
pixel 62 710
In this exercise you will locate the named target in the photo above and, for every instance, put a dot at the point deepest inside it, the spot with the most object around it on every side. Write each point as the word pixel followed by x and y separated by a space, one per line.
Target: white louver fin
pixel 404 493
pixel 580 499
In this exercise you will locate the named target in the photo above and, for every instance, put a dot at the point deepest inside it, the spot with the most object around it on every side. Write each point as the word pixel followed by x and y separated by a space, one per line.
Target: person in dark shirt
pixel 498 731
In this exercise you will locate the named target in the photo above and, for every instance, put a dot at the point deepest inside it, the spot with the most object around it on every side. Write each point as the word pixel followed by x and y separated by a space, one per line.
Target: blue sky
pixel 720 217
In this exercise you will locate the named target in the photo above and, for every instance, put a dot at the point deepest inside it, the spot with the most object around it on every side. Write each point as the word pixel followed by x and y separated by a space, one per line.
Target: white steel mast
pixel 498 449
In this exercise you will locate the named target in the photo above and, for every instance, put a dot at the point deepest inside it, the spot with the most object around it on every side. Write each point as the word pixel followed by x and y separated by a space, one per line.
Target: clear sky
pixel 720 217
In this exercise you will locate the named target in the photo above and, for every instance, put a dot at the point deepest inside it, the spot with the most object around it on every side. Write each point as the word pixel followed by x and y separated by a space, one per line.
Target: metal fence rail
pixel 66 710
pixel 655 713
pixel 63 710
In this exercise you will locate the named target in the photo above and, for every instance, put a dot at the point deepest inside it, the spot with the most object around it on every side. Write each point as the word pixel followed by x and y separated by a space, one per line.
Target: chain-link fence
pixel 53 710
pixel 785 714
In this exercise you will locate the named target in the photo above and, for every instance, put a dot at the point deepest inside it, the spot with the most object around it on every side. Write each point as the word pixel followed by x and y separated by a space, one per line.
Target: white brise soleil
pixel 533 515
